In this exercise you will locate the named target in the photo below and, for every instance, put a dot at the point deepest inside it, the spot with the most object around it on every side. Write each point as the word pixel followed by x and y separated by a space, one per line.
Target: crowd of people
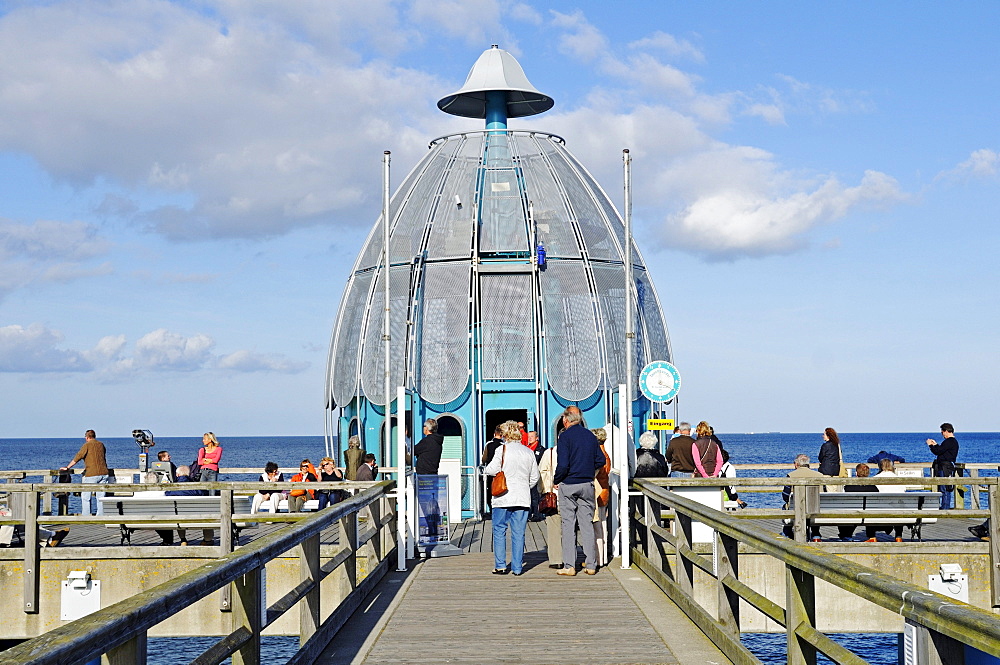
pixel 575 470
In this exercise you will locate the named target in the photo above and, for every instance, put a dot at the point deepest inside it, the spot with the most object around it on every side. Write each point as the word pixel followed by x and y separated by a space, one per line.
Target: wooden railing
pixel 666 555
pixel 120 630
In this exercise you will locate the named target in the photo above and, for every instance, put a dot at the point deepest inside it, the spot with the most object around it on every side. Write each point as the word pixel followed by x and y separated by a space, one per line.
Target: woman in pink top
pixel 706 452
pixel 209 458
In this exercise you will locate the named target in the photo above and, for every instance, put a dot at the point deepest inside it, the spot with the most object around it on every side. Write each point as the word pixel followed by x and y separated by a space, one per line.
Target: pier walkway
pixel 454 610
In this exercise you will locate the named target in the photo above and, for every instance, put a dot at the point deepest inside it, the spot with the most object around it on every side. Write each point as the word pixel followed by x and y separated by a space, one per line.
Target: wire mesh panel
pixel 507 326
pixel 408 229
pixel 451 233
pixel 502 226
pixel 614 217
pixel 443 370
pixel 371 253
pixel 610 281
pixel 572 352
pixel 551 216
pixel 652 317
pixel 349 325
pixel 373 352
pixel 593 227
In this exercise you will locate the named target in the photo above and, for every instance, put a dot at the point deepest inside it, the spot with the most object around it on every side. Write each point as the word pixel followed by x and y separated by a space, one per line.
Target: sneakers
pixel 979 532
pixel 590 571
pixel 568 572
pixel 58 537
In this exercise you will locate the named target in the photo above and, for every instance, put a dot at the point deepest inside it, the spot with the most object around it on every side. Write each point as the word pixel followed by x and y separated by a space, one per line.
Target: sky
pixel 184 187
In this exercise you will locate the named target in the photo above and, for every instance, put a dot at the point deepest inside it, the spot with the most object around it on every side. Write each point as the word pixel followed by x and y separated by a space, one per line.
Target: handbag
pixel 548 504
pixel 499 485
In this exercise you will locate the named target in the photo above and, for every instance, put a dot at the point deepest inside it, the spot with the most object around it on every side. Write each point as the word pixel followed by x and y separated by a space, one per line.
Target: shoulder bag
pixel 499 485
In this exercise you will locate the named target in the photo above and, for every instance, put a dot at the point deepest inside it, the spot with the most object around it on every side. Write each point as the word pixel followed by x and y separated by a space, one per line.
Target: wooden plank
pixel 465 598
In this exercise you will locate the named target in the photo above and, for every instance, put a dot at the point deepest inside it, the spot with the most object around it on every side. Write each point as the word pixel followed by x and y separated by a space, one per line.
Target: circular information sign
pixel 659 381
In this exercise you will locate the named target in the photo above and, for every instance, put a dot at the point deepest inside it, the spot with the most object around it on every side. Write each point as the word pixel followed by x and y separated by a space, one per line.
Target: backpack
pixel 195 474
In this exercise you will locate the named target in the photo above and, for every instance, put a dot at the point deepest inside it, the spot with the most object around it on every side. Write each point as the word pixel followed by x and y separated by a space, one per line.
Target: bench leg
pixel 126 535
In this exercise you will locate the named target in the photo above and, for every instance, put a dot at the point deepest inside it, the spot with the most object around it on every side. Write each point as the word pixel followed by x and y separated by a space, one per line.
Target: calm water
pixel 254 452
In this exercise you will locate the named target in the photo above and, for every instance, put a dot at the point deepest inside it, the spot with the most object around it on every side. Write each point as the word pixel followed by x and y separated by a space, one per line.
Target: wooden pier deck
pixel 454 610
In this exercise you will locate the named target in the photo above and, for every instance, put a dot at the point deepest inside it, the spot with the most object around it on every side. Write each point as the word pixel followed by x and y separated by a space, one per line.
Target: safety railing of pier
pixel 119 631
pixel 942 625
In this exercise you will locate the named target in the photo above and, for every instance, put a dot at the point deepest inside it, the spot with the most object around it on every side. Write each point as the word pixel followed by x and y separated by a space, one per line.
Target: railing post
pixel 309 571
pixel 994 497
pixel 800 608
pixel 727 548
pixel 226 544
pixel 932 648
pixel 247 611
pixel 376 520
pixel 650 511
pixel 683 569
pixel 31 554
pixel 132 652
pixel 799 521
pixel 47 497
pixel 226 521
pixel 349 537
pixel 974 474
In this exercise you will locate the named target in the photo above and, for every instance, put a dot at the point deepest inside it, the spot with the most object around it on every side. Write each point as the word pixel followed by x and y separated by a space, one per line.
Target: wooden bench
pixel 153 504
pixel 879 502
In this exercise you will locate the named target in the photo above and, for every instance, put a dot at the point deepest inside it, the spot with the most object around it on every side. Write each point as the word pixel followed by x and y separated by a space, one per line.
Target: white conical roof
pixel 496 69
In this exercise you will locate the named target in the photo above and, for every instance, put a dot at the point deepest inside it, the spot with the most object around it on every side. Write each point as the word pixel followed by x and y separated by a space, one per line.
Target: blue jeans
pixel 517 520
pixel 682 474
pixel 947 496
pixel 210 476
pixel 85 496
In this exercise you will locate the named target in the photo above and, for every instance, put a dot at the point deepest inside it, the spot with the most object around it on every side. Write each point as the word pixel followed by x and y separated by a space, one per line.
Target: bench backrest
pixel 879 500
pixel 171 505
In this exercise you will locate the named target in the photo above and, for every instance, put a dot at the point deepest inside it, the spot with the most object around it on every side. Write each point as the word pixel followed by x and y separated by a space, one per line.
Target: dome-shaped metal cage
pixel 507 291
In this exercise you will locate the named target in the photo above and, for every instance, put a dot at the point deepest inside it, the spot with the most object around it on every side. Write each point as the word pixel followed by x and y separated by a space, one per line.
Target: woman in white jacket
pixel 511 510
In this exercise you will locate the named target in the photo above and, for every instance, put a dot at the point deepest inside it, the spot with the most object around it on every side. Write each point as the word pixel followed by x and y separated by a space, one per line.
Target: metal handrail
pixel 123 626
pixel 942 615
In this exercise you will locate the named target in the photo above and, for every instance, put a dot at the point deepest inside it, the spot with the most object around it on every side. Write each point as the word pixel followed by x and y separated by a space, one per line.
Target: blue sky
pixel 184 187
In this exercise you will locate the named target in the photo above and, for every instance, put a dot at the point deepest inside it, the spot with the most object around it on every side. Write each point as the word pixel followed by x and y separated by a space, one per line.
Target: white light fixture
pixel 78 579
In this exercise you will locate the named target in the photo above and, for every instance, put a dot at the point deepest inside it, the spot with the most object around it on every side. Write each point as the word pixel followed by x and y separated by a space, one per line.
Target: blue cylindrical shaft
pixel 496 109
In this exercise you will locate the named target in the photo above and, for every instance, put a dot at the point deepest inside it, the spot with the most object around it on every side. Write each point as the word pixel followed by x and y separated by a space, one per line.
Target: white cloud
pixel 983 163
pixel 734 221
pixel 695 192
pixel 35 349
pixel 669 44
pixel 48 251
pixel 249 361
pixel 247 112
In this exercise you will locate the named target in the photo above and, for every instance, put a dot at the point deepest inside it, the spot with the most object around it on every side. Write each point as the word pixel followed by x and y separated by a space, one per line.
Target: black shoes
pixel 500 571
pixel 980 532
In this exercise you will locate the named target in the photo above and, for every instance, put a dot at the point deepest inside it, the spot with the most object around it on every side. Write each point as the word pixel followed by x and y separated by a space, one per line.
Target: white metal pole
pixel 625 397
pixel 387 435
pixel 402 478
pixel 624 525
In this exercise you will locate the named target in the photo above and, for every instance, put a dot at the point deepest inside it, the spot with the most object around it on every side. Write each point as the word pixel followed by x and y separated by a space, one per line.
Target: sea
pixel 287 451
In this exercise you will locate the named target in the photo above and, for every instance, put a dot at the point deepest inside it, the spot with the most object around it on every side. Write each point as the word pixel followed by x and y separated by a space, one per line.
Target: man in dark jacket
pixel 679 455
pixel 945 456
pixel 428 451
pixel 579 458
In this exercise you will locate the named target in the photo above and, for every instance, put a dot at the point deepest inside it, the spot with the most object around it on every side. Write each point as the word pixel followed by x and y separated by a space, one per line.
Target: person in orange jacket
pixel 298 497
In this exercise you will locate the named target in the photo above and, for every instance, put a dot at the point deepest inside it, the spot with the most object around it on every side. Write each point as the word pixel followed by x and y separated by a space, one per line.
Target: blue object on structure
pixel 541 255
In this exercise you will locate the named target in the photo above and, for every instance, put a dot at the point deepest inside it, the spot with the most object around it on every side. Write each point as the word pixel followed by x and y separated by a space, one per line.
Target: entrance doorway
pixel 496 417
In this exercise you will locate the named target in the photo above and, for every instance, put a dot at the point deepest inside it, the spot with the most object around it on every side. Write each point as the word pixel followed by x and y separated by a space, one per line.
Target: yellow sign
pixel 660 423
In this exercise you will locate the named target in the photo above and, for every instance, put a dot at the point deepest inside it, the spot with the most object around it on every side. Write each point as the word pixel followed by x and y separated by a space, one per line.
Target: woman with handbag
pixel 515 472
pixel 602 495
pixel 549 505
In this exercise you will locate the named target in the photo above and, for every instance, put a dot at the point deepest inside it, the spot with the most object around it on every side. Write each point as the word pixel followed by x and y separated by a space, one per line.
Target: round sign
pixel 659 381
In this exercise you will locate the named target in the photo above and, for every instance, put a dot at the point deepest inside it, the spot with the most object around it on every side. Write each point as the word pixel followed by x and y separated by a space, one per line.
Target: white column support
pixel 402 480
pixel 621 455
